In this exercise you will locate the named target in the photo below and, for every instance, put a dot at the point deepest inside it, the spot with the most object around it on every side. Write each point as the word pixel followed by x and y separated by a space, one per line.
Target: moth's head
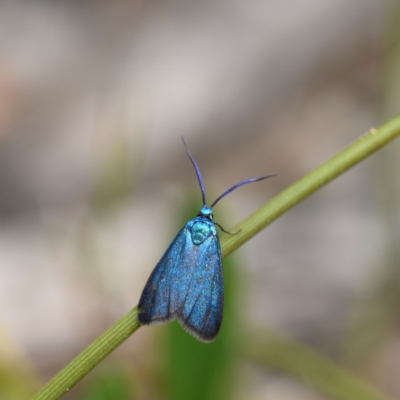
pixel 206 212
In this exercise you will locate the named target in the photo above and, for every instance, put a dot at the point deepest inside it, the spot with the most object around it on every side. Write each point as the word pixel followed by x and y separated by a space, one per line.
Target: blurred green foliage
pixel 111 381
pixel 17 377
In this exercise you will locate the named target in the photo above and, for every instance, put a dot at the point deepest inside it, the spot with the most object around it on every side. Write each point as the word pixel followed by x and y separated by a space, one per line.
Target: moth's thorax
pixel 202 227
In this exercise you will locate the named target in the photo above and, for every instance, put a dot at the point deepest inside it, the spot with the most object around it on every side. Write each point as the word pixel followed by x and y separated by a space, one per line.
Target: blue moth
pixel 187 282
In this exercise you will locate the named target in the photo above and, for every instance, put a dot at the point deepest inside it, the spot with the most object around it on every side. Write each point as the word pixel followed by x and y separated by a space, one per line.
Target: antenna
pixel 203 193
pixel 238 185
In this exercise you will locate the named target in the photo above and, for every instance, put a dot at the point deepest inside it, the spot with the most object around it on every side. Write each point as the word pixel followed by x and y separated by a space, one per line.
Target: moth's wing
pixel 162 296
pixel 202 308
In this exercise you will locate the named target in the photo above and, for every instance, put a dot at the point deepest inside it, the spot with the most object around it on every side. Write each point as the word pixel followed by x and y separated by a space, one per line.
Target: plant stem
pixel 90 357
pixel 367 144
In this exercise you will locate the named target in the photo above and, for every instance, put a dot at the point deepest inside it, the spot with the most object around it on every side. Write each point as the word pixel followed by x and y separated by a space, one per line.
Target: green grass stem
pixel 90 357
pixel 367 144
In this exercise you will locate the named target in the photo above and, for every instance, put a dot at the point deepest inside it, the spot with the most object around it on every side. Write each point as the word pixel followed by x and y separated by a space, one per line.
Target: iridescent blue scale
pixel 187 282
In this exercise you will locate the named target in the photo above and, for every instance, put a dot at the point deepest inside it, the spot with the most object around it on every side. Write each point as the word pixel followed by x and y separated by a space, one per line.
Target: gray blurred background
pixel 94 96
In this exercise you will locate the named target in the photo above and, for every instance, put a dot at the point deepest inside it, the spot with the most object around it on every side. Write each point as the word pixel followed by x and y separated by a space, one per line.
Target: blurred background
pixel 95 183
